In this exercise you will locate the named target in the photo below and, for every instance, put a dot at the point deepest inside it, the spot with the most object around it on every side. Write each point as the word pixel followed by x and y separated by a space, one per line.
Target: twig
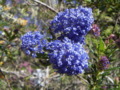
pixel 9 72
pixel 45 5
pixel 81 78
pixel 12 72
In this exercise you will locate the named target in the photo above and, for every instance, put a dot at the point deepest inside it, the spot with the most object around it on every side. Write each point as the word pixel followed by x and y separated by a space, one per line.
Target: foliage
pixel 26 31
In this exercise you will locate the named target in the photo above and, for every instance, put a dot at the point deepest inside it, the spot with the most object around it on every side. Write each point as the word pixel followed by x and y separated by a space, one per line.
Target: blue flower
pixel 73 23
pixel 68 57
pixel 33 43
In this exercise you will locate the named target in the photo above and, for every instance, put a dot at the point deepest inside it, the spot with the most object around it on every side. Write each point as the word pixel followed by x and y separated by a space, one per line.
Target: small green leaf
pixel 114 68
pixel 101 46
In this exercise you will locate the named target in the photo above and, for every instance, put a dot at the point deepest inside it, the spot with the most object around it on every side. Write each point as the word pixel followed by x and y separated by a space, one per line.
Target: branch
pixel 45 5
pixel 18 74
pixel 81 78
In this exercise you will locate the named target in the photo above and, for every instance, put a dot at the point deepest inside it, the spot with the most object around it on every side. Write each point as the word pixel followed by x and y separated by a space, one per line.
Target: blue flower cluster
pixel 73 23
pixel 68 57
pixel 66 54
pixel 33 43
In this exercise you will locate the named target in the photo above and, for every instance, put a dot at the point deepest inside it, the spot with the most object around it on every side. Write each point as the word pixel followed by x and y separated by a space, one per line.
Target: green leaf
pixel 12 37
pixel 108 31
pixel 88 0
pixel 42 56
pixel 114 68
pixel 101 46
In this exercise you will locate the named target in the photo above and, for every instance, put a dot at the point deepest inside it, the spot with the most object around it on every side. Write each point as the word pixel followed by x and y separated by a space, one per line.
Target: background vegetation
pixel 21 72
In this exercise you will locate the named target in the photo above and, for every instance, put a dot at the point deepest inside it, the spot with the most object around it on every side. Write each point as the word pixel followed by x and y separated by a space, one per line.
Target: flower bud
pixel 96 30
pixel 103 63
